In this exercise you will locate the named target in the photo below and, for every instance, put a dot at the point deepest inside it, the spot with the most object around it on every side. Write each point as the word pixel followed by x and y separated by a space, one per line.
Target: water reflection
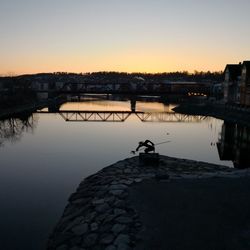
pixel 40 171
pixel 11 129
pixel 234 144
pixel 119 111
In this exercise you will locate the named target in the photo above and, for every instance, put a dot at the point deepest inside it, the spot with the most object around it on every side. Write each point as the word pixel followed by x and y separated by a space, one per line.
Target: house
pixel 216 91
pixel 237 83
pixel 232 83
pixel 40 86
pixel 245 84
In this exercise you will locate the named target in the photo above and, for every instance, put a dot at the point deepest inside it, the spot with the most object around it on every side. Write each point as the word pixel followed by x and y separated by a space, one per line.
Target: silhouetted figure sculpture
pixel 149 146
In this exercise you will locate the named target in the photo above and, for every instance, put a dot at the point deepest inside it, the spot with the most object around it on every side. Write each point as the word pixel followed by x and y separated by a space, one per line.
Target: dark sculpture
pixel 149 147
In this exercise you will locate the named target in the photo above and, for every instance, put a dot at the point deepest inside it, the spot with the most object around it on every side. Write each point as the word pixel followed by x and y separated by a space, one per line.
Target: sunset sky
pixel 122 35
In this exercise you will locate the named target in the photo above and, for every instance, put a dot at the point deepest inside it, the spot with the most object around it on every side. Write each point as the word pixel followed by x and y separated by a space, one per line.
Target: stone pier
pixel 99 214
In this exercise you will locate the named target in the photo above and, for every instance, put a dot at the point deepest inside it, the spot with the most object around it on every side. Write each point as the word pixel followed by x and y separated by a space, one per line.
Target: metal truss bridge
pixel 149 89
pixel 122 116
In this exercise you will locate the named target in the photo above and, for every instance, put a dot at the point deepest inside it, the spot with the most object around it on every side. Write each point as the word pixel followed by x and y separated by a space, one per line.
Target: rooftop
pixel 234 70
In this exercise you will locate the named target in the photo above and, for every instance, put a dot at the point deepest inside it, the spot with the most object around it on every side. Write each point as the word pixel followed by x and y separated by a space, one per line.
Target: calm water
pixel 44 158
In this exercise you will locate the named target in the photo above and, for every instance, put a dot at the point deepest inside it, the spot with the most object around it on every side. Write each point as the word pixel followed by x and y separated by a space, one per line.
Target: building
pixel 216 91
pixel 190 88
pixel 245 84
pixel 232 83
pixel 237 83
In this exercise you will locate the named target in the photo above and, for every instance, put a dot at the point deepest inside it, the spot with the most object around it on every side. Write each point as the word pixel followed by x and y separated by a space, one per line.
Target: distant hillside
pixel 117 76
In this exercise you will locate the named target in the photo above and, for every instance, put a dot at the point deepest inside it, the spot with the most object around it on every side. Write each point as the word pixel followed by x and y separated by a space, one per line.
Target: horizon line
pixel 12 74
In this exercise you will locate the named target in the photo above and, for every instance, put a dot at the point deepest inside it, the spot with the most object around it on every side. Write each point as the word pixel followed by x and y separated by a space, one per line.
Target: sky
pixel 122 35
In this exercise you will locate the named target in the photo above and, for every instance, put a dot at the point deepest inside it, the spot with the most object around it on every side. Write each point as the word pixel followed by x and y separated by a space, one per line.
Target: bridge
pixel 156 89
pixel 122 116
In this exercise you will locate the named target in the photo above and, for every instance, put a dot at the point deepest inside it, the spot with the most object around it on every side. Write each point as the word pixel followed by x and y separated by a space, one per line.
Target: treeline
pixel 217 76
pixel 15 91
pixel 172 76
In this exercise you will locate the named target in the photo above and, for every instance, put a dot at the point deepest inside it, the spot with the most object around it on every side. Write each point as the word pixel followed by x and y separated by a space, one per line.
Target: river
pixel 43 157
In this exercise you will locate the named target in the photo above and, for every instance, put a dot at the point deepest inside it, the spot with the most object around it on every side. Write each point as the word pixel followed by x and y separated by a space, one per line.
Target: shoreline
pixel 218 111
pixel 27 108
pixel 99 214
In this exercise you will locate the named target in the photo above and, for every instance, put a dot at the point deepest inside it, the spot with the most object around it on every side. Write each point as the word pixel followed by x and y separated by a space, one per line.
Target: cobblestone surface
pixel 98 215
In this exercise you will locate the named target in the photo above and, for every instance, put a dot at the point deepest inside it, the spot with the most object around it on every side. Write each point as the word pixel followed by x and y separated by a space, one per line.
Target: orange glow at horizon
pixel 134 61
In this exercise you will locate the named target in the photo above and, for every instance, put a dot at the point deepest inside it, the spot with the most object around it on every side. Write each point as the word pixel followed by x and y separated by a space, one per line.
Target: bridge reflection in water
pixel 122 116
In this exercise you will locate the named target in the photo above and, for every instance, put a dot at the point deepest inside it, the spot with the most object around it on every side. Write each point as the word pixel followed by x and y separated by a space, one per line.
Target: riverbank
pixel 216 110
pixel 101 213
pixel 27 108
